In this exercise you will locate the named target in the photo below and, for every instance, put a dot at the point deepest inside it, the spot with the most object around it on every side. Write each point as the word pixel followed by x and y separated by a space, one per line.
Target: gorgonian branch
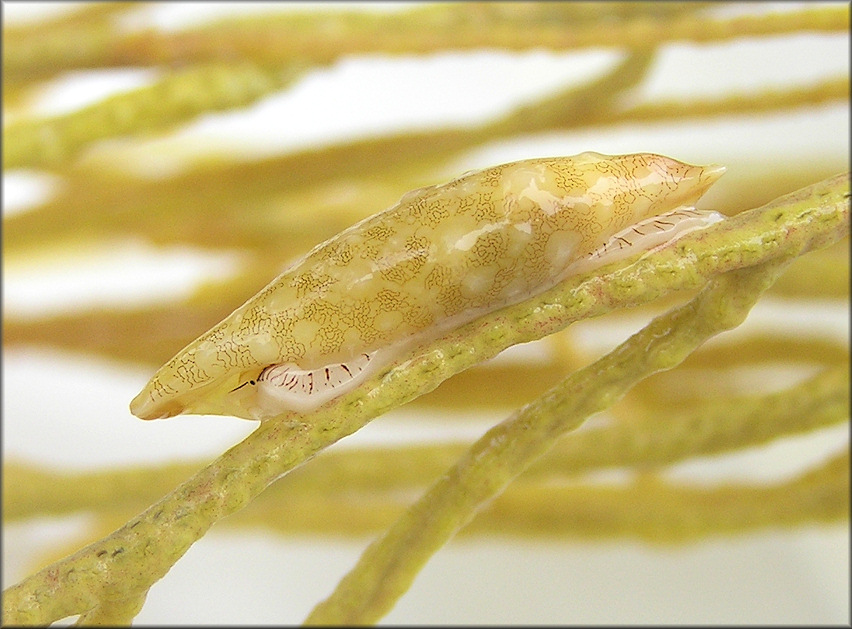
pixel 388 567
pixel 740 256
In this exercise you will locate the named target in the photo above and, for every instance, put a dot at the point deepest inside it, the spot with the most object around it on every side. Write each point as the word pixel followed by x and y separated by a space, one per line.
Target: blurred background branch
pixel 271 208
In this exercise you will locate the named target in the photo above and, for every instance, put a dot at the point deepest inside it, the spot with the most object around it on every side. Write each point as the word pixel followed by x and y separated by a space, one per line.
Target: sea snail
pixel 439 258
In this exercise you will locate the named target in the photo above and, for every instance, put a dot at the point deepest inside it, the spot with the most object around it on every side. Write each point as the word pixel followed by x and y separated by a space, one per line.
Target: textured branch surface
pixel 388 566
pixel 116 572
pixel 720 424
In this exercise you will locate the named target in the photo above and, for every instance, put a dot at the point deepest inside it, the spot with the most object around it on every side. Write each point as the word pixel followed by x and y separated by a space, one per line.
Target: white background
pixel 71 412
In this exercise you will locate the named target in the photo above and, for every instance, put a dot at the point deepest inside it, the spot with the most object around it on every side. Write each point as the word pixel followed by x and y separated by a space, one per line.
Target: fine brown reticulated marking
pixel 442 256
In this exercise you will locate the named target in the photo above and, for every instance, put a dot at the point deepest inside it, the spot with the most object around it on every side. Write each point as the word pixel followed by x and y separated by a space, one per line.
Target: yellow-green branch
pixel 122 566
pixel 179 97
pixel 711 426
pixel 321 37
pixel 388 566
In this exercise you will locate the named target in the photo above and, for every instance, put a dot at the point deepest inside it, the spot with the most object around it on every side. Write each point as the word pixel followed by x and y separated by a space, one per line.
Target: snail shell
pixel 439 258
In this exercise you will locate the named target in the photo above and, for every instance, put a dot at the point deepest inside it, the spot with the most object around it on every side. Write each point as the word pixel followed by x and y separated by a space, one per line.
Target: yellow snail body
pixel 439 258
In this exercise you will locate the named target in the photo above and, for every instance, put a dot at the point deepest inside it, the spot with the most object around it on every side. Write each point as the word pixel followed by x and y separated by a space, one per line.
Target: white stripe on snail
pixel 647 235
pixel 441 257
pixel 286 385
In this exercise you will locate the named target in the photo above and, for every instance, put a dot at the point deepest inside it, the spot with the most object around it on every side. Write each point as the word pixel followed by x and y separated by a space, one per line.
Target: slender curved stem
pixel 123 565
